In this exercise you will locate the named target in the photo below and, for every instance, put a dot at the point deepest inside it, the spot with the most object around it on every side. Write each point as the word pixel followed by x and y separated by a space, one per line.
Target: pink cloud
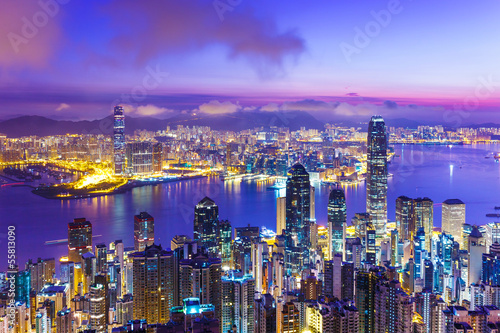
pixel 30 31
pixel 149 31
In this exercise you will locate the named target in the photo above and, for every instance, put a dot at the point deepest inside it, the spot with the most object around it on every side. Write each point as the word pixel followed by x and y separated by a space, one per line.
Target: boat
pixel 277 186
pixel 492 215
pixel 497 207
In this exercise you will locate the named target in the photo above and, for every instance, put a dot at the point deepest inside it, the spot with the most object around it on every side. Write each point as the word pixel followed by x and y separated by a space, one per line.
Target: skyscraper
pixel 144 231
pixel 453 219
pixel 206 220
pixel 298 201
pixel 336 221
pixel 79 239
pixel 98 308
pixel 423 214
pixel 153 284
pixel 404 218
pixel 119 140
pixel 280 215
pixel 376 178
pixel 238 308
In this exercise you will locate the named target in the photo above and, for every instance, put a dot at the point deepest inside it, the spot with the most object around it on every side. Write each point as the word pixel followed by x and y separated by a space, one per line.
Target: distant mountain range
pixel 42 126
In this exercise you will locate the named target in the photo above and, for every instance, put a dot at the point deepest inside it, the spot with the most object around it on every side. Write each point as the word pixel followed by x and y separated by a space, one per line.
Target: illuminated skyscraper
pixel 298 202
pixel 336 221
pixel 206 221
pixel 238 308
pixel 144 231
pixel 453 219
pixel 98 308
pixel 404 218
pixel 423 214
pixel 79 239
pixel 376 178
pixel 119 140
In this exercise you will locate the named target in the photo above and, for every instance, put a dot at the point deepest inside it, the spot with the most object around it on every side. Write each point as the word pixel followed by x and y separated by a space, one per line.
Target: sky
pixel 415 59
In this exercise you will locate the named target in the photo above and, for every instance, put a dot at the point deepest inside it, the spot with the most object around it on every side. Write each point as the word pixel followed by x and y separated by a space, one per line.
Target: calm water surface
pixel 438 172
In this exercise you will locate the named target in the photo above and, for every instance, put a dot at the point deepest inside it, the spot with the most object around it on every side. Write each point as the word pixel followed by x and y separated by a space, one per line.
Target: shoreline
pixel 52 193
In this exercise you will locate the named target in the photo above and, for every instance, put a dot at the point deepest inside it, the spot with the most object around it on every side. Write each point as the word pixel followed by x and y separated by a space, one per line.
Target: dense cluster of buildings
pixel 372 276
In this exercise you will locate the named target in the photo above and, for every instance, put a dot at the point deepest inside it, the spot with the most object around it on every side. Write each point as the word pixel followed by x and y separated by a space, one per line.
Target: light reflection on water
pixel 418 171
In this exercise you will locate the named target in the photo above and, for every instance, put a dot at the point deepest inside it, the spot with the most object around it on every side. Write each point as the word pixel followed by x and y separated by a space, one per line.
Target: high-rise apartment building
pixel 154 283
pixel 238 308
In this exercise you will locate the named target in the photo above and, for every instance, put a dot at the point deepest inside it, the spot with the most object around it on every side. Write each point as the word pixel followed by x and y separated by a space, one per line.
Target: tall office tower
pixel 366 282
pixel 265 314
pixel 101 253
pixel 119 140
pixel 423 214
pixel 370 244
pixel 404 218
pixel 395 248
pixel 238 307
pixel 23 287
pixel 419 252
pixel 298 200
pixel 280 215
pixel 89 270
pixel 200 277
pixel 153 284
pixel 144 231
pixel 394 308
pixel 79 239
pixel 224 239
pixel 491 266
pixel 336 221
pixel 492 233
pixel 206 222
pixel 453 219
pixel 428 275
pixel 157 157
pixel 98 308
pixel 376 177
pixel 354 251
pixel 289 319
pixel 312 206
pixel 476 248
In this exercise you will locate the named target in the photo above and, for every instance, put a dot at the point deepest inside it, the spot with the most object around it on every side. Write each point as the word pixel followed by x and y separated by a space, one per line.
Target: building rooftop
pixel 453 202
